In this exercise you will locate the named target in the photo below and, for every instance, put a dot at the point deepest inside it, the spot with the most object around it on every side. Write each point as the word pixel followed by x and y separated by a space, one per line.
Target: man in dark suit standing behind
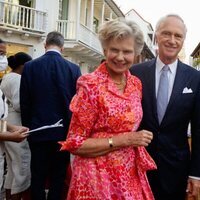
pixel 178 172
pixel 48 84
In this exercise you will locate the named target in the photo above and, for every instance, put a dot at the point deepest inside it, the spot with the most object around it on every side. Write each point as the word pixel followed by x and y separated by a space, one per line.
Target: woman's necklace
pixel 120 85
pixel 122 82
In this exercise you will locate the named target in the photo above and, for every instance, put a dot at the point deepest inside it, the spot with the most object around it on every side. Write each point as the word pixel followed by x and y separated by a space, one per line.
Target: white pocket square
pixel 187 90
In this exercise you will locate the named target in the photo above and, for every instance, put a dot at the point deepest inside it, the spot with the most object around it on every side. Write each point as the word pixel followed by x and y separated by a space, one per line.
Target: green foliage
pixel 196 62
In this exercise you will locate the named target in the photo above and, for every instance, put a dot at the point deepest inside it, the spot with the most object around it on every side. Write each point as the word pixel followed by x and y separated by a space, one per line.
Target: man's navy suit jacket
pixel 48 84
pixel 169 147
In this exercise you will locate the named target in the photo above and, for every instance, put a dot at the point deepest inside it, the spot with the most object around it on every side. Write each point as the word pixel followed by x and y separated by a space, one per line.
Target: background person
pixel 18 155
pixel 110 159
pixel 8 132
pixel 48 84
pixel 177 169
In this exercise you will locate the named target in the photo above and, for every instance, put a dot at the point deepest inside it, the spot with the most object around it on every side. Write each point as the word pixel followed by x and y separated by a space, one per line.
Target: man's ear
pixel 61 49
pixel 45 46
pixel 155 43
pixel 156 37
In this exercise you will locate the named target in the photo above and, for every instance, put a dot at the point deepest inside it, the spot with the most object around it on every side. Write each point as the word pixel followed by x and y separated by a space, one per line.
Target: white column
pixel 111 14
pixel 78 17
pixel 103 10
pixel 91 15
pixel 85 6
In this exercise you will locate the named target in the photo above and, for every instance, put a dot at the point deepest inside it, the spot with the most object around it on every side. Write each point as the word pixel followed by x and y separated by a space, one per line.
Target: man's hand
pixel 193 188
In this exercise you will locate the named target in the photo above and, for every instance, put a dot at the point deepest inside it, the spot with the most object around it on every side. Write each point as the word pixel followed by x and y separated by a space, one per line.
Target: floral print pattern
pixel 101 111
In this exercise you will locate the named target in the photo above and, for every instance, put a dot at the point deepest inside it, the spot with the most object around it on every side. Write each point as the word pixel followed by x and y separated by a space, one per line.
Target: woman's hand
pixel 13 128
pixel 142 138
pixel 135 139
pixel 15 133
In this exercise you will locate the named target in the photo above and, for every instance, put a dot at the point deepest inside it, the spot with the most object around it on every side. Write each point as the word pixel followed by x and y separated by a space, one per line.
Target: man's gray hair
pixel 161 20
pixel 121 28
pixel 55 38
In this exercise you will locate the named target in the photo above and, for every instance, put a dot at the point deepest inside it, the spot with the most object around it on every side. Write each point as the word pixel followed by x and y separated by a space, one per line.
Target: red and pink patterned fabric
pixel 101 111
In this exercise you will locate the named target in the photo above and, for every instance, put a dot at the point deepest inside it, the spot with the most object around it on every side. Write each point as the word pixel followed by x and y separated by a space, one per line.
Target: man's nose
pixel 172 39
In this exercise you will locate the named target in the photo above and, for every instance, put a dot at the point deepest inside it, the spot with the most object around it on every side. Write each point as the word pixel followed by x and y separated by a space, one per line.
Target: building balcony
pixel 79 39
pixel 22 19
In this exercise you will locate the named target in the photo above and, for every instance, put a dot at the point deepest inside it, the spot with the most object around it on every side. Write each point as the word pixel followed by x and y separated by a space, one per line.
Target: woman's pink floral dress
pixel 101 111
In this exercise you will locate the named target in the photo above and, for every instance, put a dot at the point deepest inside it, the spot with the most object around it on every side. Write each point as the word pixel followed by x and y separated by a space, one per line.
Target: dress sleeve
pixel 84 108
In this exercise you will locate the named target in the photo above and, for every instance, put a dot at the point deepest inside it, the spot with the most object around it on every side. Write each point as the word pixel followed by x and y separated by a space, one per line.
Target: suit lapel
pixel 150 82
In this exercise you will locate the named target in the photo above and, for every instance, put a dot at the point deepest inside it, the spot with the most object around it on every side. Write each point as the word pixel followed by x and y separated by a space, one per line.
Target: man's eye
pixel 178 36
pixel 166 34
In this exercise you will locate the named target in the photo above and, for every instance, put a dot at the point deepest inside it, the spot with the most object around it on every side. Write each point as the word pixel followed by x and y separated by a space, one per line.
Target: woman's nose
pixel 120 55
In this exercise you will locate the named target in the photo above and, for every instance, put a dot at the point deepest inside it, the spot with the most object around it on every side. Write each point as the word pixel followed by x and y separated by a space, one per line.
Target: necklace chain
pixel 122 82
pixel 120 85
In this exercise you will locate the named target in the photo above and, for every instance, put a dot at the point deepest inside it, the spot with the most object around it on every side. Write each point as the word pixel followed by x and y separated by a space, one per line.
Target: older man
pixel 171 95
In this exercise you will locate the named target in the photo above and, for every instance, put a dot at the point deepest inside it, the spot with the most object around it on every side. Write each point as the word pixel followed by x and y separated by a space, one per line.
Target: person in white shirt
pixel 18 156
pixel 8 132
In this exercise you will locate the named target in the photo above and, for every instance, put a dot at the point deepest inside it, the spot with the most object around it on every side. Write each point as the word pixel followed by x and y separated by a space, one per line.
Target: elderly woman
pixel 110 157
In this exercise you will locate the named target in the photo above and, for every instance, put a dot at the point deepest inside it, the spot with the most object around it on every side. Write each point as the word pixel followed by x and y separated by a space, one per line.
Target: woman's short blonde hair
pixel 121 28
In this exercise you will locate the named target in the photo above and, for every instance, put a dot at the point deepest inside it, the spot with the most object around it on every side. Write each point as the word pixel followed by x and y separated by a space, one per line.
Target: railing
pixel 84 34
pixel 22 17
pixel 89 37
pixel 67 28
